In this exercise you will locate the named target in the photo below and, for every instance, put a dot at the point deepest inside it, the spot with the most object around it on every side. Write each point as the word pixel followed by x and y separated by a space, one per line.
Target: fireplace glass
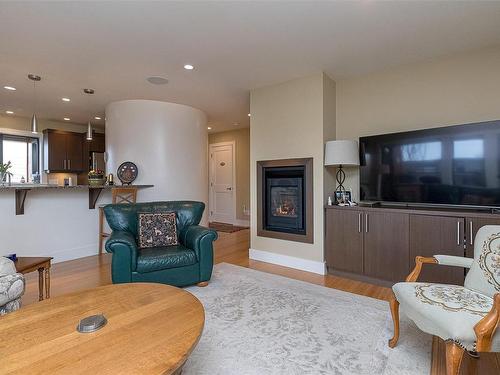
pixel 283 201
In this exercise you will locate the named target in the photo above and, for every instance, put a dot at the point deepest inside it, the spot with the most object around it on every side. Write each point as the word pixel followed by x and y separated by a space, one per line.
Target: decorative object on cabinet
pixel 89 124
pixel 96 177
pixel 343 197
pixel 127 172
pixel 119 195
pixel 341 153
pixel 465 317
pixel 34 121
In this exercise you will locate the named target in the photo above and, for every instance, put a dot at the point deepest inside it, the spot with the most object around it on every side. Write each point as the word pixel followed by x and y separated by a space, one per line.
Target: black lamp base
pixel 340 190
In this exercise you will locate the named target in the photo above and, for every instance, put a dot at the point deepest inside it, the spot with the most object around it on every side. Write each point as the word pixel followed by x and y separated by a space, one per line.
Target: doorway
pixel 222 182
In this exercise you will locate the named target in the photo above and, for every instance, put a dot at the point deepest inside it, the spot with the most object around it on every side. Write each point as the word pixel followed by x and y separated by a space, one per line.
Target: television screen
pixel 454 165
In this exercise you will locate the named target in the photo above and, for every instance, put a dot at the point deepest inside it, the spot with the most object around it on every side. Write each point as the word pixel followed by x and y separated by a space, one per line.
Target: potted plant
pixel 96 177
pixel 4 173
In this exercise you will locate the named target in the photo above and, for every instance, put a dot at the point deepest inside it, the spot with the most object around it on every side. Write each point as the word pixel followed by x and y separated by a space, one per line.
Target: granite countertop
pixel 49 186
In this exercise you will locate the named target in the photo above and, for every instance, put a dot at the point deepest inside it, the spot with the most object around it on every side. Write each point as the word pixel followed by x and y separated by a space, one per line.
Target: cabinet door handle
pixel 359 222
pixel 458 233
pixel 69 164
pixel 366 223
pixel 64 164
pixel 471 235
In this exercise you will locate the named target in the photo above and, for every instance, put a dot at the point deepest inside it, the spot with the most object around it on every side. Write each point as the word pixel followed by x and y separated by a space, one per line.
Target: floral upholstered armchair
pixel 11 286
pixel 465 317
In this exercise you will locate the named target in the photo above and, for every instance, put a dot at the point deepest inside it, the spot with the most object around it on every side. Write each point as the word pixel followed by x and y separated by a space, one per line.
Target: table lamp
pixel 341 153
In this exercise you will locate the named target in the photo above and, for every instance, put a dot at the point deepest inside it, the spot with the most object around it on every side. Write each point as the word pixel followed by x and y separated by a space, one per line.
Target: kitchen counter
pixel 21 191
pixel 49 186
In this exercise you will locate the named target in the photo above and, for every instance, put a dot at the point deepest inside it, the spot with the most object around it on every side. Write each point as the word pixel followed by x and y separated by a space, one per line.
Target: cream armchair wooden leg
pixel 394 304
pixel 395 319
pixel 454 355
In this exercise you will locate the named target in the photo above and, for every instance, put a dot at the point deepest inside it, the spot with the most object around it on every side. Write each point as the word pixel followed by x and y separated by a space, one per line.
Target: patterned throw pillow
pixel 157 229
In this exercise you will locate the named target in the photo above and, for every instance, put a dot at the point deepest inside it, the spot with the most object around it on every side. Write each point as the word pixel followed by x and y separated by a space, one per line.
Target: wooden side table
pixel 26 265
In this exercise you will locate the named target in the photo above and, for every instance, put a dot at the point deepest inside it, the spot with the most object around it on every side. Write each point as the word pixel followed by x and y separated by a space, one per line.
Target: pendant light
pixel 89 124
pixel 34 121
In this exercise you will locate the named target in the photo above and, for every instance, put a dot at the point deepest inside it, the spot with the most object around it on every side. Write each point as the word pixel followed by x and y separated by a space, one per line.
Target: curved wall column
pixel 168 143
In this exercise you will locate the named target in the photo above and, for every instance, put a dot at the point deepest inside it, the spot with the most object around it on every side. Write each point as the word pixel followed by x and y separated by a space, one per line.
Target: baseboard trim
pixel 241 223
pixel 288 261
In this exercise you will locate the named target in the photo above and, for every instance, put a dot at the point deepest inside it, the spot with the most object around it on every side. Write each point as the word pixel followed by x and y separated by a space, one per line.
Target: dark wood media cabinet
pixel 379 244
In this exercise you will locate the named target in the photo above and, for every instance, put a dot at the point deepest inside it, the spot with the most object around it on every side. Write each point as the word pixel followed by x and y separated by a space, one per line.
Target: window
pixel 426 151
pixel 23 153
pixel 468 149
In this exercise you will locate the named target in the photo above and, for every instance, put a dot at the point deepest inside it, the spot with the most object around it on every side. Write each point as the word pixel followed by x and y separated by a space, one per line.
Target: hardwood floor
pixel 232 248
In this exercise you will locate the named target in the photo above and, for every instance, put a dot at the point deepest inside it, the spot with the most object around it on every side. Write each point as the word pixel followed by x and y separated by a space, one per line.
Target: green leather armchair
pixel 188 263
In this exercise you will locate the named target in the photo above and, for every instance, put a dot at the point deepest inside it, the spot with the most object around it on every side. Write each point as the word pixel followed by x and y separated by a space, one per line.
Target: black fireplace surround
pixel 284 197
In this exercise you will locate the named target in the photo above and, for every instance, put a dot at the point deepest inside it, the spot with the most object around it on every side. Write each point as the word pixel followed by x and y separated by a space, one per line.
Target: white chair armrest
pixel 7 267
pixel 451 260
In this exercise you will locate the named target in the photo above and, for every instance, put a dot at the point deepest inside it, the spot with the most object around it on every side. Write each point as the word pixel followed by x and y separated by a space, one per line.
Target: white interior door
pixel 222 183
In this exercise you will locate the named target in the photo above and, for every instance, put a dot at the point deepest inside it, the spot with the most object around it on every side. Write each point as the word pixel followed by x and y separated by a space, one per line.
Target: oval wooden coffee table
pixel 151 329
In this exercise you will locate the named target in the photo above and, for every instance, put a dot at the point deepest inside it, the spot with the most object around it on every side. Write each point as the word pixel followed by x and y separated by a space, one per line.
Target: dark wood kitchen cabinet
pixel 344 240
pixel 386 245
pixel 63 151
pixel 437 235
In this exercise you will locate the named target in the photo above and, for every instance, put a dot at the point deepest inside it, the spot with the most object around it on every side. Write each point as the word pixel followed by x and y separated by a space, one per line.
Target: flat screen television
pixel 453 165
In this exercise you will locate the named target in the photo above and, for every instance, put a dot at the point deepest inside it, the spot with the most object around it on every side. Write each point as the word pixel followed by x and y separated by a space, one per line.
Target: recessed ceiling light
pixel 97 118
pixel 249 115
pixel 9 112
pixel 209 128
pixel 156 80
pixel 66 119
pixel 9 88
pixel 188 67
pixel 66 99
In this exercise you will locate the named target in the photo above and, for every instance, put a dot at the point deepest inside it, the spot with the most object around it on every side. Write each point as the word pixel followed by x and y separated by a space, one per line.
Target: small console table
pixel 26 265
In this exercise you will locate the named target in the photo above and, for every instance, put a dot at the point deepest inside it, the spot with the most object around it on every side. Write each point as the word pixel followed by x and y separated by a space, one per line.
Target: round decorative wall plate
pixel 127 172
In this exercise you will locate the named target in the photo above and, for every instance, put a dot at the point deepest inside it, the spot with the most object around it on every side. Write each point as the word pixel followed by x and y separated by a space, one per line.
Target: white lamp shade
pixel 341 152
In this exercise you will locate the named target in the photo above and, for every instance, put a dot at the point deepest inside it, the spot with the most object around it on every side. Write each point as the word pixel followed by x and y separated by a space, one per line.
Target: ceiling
pixel 234 46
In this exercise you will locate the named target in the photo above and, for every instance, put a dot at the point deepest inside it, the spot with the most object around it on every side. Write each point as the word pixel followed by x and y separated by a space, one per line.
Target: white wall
pixel 291 120
pixel 454 90
pixel 168 143
pixel 56 223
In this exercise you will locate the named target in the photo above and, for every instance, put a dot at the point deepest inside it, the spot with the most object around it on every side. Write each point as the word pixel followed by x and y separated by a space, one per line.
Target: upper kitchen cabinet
pixel 63 151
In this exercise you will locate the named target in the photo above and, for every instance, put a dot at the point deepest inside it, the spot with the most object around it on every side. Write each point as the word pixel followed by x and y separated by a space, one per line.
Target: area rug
pixel 226 228
pixel 258 323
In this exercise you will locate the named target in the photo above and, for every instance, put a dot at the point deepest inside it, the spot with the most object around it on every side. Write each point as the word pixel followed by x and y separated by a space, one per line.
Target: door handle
pixel 359 222
pixel 366 223
pixel 471 233
pixel 69 164
pixel 64 164
pixel 229 188
pixel 458 233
